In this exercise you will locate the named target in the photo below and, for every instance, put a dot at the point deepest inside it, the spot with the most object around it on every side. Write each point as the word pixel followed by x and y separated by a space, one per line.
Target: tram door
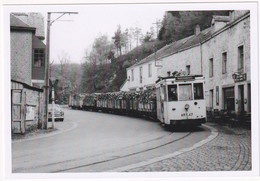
pixel 160 98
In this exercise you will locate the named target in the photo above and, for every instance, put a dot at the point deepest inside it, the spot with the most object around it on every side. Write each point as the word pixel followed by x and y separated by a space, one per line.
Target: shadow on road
pixel 181 129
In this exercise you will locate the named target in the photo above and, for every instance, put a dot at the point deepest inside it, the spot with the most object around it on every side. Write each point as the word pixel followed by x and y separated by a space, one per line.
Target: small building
pixel 27 71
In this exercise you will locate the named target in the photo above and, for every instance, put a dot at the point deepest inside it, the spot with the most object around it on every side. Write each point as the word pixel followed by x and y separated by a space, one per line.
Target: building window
pixel 224 62
pixel 141 74
pixel 38 57
pixel 188 69
pixel 241 59
pixel 132 74
pixel 211 67
pixel 149 70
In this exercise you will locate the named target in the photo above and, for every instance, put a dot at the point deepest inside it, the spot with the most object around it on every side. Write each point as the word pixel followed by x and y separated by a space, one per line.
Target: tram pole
pixel 47 63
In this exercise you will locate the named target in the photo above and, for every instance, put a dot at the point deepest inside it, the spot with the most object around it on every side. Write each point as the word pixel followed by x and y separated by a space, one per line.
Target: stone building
pixel 221 53
pixel 226 64
pixel 27 65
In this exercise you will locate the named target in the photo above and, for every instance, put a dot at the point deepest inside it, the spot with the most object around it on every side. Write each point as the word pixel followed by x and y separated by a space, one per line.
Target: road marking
pixel 213 135
pixel 74 125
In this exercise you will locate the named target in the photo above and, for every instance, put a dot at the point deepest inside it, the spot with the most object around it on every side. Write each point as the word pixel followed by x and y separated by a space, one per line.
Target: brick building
pixel 221 53
pixel 27 71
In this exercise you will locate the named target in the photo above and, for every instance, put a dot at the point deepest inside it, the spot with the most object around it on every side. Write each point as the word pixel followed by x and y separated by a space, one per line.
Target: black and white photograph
pixel 130 90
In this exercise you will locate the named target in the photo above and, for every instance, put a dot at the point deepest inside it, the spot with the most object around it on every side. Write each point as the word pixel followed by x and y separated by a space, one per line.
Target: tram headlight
pixel 187 106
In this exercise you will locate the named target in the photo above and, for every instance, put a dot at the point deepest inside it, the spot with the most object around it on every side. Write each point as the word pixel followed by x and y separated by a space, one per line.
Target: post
pixel 47 62
pixel 53 112
pixel 47 71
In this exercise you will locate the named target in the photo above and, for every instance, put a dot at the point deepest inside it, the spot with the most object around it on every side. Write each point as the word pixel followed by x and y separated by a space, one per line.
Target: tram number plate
pixel 186 114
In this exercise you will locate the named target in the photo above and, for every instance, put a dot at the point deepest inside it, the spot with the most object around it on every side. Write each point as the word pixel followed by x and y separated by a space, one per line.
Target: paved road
pixel 94 138
pixel 229 151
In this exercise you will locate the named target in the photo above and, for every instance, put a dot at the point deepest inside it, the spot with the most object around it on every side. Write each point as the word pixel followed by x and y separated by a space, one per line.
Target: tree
pixel 97 68
pixel 177 25
pixel 137 35
pixel 118 40
pixel 148 36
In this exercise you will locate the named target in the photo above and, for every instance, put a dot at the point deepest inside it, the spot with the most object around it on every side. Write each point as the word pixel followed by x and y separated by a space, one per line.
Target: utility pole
pixel 158 25
pixel 47 62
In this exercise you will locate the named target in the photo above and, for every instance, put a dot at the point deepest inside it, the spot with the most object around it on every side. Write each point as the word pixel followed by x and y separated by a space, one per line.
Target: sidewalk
pixel 229 151
pixel 59 127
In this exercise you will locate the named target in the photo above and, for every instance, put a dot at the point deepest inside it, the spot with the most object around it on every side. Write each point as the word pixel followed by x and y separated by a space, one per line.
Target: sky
pixel 73 34
pixel 76 36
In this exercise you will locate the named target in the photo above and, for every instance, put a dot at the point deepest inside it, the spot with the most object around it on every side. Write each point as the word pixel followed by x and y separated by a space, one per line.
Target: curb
pixel 58 131
pixel 213 135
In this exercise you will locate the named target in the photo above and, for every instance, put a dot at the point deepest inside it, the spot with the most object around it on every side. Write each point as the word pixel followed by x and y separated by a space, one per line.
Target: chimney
pixel 197 30
pixel 219 22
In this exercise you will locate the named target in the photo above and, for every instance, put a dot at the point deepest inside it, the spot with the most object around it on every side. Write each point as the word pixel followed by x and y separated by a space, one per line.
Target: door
pixel 18 111
pixel 240 99
pixel 249 98
pixel 229 99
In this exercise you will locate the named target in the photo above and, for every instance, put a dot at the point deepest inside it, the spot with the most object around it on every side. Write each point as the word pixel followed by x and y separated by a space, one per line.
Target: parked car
pixel 58 113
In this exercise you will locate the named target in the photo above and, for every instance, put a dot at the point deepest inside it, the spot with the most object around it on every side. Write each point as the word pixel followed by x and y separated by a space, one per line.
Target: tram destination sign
pixel 188 77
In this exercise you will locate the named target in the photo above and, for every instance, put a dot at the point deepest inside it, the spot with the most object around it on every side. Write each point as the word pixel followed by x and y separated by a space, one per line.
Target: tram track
pixel 114 158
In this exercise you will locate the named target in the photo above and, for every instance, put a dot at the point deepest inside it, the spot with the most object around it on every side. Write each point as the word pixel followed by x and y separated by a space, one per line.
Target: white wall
pixel 227 41
pixel 146 80
pixel 179 61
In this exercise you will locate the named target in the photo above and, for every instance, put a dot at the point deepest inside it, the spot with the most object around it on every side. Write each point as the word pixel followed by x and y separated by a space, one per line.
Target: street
pixel 100 142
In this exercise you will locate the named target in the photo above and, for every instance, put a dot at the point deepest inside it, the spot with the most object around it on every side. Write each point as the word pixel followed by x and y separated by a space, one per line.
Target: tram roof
pixel 186 77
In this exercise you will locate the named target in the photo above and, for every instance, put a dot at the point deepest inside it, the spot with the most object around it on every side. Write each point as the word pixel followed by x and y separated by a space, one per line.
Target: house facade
pixel 143 74
pixel 226 65
pixel 27 65
pixel 221 53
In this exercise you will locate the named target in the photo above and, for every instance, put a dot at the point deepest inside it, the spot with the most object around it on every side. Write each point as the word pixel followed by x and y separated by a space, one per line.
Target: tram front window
pixel 172 93
pixel 198 91
pixel 185 92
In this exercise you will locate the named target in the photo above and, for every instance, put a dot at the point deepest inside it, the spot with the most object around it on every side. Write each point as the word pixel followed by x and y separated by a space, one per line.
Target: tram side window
pixel 198 91
pixel 172 93
pixel 185 92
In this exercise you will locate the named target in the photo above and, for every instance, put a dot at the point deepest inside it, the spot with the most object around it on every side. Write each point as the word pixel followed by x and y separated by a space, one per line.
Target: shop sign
pixel 239 77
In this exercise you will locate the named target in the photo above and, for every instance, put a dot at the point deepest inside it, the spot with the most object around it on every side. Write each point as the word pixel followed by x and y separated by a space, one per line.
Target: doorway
pixel 229 99
pixel 240 101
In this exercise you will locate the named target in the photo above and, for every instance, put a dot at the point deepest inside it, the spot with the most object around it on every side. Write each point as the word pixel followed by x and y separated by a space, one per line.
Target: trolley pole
pixel 47 63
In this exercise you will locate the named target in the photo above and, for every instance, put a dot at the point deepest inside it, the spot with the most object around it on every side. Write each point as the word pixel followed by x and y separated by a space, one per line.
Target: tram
pixel 180 100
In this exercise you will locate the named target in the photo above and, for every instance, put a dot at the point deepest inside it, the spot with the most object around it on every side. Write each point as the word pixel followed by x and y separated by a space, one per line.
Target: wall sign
pixel 239 77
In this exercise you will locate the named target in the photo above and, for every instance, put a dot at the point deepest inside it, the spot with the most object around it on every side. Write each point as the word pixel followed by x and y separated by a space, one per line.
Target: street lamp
pixel 47 60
